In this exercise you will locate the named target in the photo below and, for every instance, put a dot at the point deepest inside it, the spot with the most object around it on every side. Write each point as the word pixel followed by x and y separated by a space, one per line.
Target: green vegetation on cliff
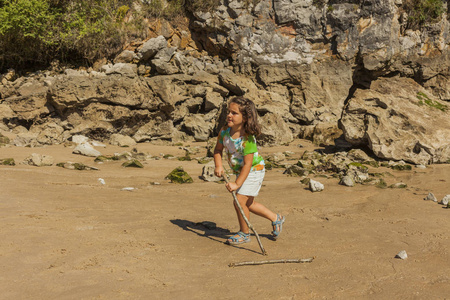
pixel 35 32
pixel 423 12
pixel 425 100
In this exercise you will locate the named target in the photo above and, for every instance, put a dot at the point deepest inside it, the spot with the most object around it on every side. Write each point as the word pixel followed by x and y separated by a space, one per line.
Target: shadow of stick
pixel 207 229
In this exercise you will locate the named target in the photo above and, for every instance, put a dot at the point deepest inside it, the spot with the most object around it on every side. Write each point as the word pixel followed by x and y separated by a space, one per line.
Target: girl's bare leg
pixel 248 205
pixel 243 202
pixel 262 211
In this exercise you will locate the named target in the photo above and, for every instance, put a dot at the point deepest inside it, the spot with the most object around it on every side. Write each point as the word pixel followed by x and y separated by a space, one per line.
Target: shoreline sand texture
pixel 66 236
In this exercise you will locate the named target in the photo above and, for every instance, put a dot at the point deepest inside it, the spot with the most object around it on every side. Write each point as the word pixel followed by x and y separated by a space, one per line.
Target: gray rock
pixel 358 155
pixel 165 54
pixel 121 140
pixel 274 131
pixel 86 149
pixel 315 186
pixel 79 139
pixel 398 185
pixel 75 166
pixel 431 197
pixel 154 130
pixel 402 255
pixel 276 157
pixel 6 113
pixel 39 160
pixel 295 170
pixel 84 94
pixel 126 56
pixel 198 127
pixel 164 68
pixel 124 69
pixel 213 100
pixel 49 133
pixel 26 140
pixel 208 173
pixel 151 47
pixel 445 200
pixel 347 181
pixel 72 72
pixel 97 144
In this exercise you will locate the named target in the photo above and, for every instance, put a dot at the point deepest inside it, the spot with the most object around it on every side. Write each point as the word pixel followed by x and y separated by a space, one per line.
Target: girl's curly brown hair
pixel 248 111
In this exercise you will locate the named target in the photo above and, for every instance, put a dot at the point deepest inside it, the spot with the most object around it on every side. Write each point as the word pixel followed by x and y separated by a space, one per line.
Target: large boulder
pixel 198 127
pixel 72 92
pixel 398 120
pixel 274 131
pixel 121 140
pixel 49 133
pixel 155 129
pixel 28 102
pixel 151 47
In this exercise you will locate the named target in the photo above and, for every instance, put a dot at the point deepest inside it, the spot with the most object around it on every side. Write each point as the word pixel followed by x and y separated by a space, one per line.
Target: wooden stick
pixel 274 261
pixel 245 218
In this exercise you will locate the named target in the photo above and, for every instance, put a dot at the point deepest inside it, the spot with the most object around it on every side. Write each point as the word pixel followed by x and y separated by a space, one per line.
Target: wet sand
pixel 66 236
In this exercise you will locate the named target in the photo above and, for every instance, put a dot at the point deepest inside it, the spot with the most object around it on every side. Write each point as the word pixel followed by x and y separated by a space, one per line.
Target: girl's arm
pixel 218 150
pixel 248 161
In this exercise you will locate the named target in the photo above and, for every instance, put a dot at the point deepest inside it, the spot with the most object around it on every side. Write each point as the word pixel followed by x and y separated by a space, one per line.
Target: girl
pixel 238 139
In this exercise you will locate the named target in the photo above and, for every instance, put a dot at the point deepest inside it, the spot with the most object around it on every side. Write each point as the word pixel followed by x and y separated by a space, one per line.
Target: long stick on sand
pixel 245 218
pixel 274 261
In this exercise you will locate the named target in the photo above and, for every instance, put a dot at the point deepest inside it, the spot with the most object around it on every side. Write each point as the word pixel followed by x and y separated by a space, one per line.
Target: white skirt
pixel 252 184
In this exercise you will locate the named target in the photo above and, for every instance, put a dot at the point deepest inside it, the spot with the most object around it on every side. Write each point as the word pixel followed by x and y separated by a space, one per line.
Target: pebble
pixel 445 200
pixel 430 197
pixel 399 185
pixel 129 189
pixel 402 255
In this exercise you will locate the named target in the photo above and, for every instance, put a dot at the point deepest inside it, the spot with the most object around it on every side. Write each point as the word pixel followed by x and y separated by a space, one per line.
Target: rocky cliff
pixel 316 69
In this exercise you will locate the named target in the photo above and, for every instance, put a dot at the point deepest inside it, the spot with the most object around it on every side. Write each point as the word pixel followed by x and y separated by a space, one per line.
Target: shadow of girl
pixel 207 229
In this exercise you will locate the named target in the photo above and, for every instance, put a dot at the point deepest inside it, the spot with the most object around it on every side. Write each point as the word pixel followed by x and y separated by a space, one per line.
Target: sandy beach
pixel 66 236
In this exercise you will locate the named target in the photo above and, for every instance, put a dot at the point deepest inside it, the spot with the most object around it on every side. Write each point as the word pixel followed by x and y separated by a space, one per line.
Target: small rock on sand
pixel 431 197
pixel 316 186
pixel 445 200
pixel 402 255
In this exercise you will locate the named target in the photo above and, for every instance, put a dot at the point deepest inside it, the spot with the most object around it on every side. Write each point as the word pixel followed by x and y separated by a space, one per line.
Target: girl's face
pixel 235 119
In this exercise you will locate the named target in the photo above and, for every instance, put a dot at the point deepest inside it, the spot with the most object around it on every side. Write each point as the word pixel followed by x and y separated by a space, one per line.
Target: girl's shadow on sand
pixel 210 230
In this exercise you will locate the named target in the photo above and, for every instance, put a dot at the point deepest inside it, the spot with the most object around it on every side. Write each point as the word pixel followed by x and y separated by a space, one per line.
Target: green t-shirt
pixel 236 149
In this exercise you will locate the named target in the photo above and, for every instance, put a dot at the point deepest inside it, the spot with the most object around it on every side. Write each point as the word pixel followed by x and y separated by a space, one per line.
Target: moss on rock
pixel 381 184
pixel 103 158
pixel 372 163
pixel 4 139
pixel 134 163
pixel 401 167
pixel 7 162
pixel 75 166
pixel 178 175
pixel 357 165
